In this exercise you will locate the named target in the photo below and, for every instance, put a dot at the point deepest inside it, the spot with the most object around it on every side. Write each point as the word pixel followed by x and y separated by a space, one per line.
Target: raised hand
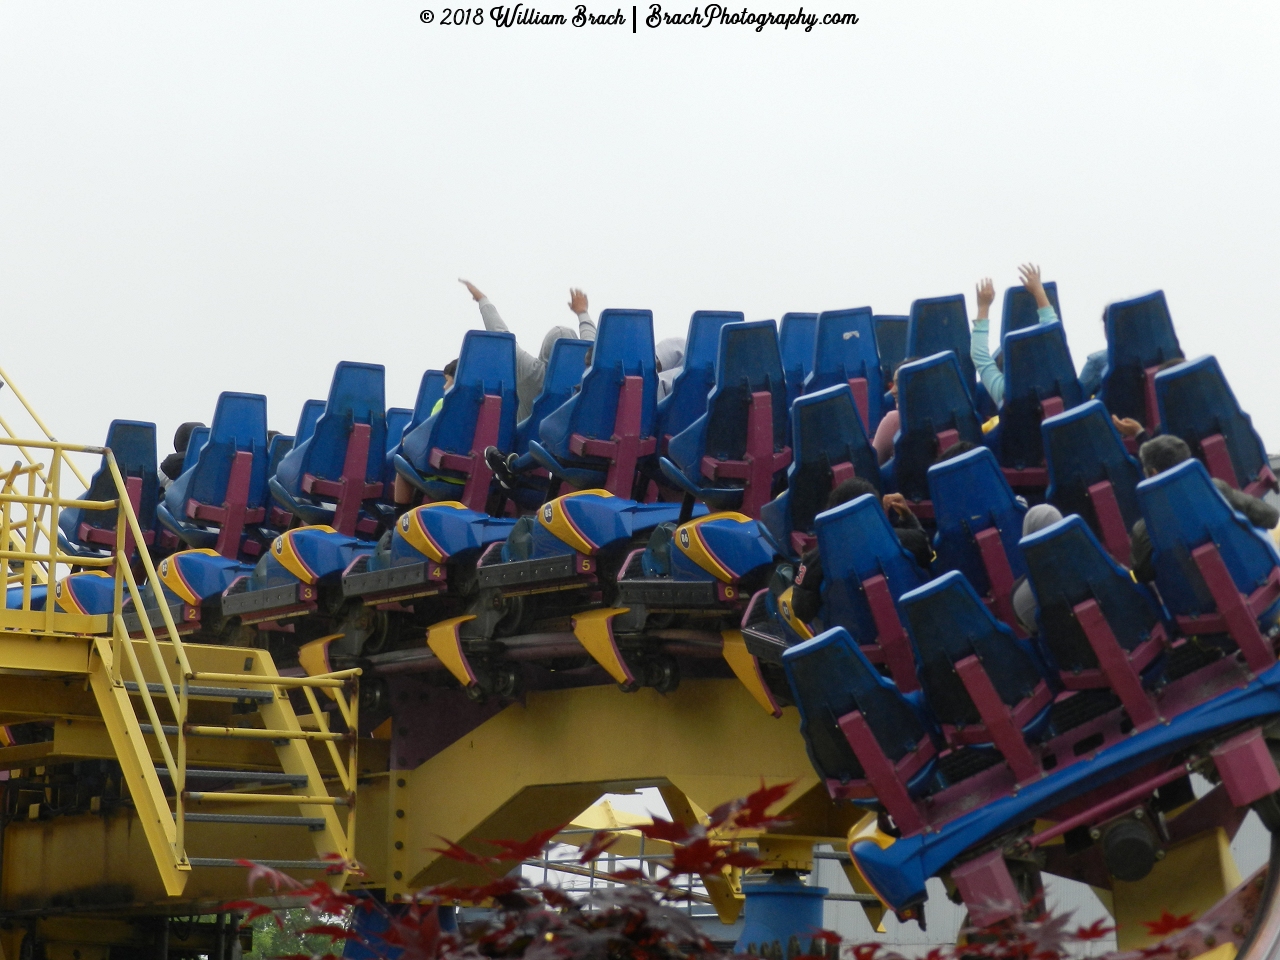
pixel 577 301
pixel 1030 276
pixel 986 292
pixel 476 295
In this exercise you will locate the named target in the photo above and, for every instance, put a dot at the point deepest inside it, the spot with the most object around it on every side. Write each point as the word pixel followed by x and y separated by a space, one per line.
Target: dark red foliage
pixel 637 921
pixel 1168 923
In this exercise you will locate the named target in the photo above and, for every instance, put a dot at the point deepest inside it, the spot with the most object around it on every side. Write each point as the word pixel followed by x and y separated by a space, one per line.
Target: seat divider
pixel 1050 407
pixel 347 509
pixel 1110 522
pixel 621 477
pixel 1231 604
pixel 1152 407
pixel 1218 460
pixel 880 770
pixel 860 400
pixel 998 719
pixel 1000 574
pixel 892 637
pixel 1115 664
pixel 761 460
pixel 235 506
pixel 1264 481
pixel 479 477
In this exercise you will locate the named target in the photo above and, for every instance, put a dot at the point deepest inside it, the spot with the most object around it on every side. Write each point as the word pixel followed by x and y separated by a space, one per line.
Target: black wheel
pixel 506 680
pixel 662 673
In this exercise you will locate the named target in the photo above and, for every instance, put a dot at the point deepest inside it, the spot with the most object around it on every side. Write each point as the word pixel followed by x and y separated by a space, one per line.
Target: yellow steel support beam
pixel 42 655
pixel 537 765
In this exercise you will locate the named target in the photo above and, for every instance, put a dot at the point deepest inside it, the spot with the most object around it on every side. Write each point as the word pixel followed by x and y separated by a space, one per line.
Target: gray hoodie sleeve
pixel 586 326
pixel 527 365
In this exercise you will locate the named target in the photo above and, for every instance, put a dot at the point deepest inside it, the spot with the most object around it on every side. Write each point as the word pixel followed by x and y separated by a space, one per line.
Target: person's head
pixel 549 341
pixel 669 353
pixel 450 371
pixel 271 435
pixel 848 490
pixel 182 436
pixel 957 448
pixel 1163 453
pixel 1039 517
pixel 893 387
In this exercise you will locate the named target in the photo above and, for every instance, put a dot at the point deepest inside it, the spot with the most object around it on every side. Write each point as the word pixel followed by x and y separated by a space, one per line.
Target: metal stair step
pixel 241 776
pixel 169 729
pixel 275 864
pixel 220 693
pixel 315 823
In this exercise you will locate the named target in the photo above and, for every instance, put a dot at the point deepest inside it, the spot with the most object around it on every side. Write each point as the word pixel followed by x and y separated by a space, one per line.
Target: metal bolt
pixel 398 875
pixel 1139 814
pixel 1159 854
pixel 400 782
pixel 399 844
pixel 1095 833
pixel 400 813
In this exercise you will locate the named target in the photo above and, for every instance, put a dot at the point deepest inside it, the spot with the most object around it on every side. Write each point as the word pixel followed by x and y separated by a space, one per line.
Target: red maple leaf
pixel 755 806
pixel 1095 931
pixel 460 853
pixel 517 851
pixel 1168 923
pixel 667 830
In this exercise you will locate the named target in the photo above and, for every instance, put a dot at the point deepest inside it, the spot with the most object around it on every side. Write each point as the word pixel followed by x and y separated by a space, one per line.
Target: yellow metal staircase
pixel 156 696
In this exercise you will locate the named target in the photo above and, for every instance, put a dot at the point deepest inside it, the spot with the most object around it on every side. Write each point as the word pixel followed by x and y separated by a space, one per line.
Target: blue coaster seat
pixel 1097 628
pixel 892 753
pixel 1040 382
pixel 327 477
pixel 936 412
pixel 195 443
pixel 211 504
pixel 866 571
pixel 797 334
pixel 86 533
pixel 430 392
pixel 891 343
pixel 728 458
pixel 687 400
pixel 312 410
pixel 979 525
pixel 845 352
pixel 563 376
pixel 1020 310
pixel 1216 572
pixel 601 435
pixel 829 446
pixel 942 323
pixel 1140 337
pixel 565 370
pixel 1091 474
pixel 982 683
pixel 1196 403
pixel 444 455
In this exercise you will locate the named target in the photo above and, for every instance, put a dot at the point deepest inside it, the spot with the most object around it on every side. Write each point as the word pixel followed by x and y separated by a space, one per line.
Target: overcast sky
pixel 196 198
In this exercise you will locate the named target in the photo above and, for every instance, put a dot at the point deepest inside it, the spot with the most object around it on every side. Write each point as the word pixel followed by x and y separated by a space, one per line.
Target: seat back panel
pixel 942 323
pixel 1082 448
pixel 1038 367
pixel 796 337
pixel 1197 403
pixel 1140 336
pixel 1020 310
pixel 1184 511
pixel 846 351
pixel 970 495
pixel 932 400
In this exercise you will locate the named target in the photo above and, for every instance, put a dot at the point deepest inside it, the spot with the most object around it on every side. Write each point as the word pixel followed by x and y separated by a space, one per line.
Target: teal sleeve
pixel 989 373
pixel 1047 314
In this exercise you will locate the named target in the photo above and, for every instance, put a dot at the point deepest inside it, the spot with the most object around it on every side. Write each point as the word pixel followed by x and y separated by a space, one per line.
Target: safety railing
pixel 32 501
